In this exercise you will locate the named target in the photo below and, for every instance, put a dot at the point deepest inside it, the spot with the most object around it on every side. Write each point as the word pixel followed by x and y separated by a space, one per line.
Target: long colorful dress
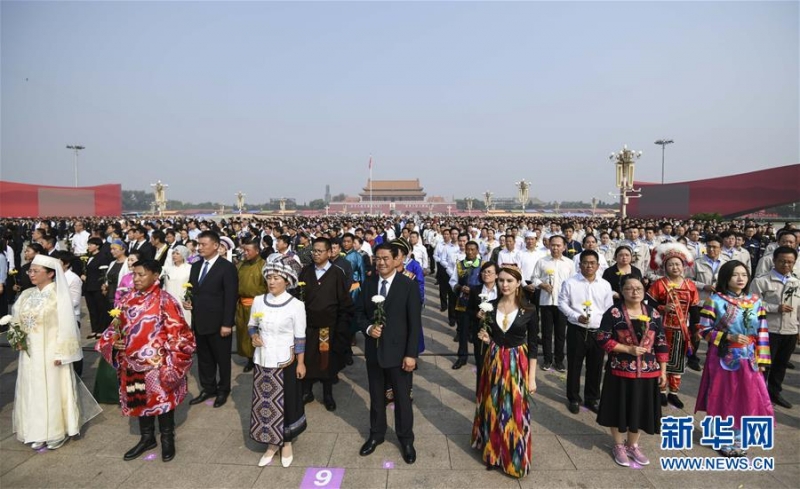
pixel 502 425
pixel 158 352
pixel 731 384
pixel 677 323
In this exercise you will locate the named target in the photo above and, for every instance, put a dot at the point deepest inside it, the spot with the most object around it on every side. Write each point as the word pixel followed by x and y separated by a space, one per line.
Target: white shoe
pixel 287 461
pixel 266 458
pixel 38 445
pixel 55 445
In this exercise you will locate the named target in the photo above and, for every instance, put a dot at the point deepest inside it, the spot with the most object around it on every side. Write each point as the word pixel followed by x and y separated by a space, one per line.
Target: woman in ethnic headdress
pixel 277 327
pixel 679 305
pixel 735 325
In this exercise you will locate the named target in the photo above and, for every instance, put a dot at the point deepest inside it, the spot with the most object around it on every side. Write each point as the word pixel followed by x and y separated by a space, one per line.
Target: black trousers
pixel 214 355
pixel 479 349
pixel 444 287
pixel 400 380
pixel 430 258
pixel 553 323
pixel 781 347
pixel 96 304
pixel 327 387
pixel 463 332
pixel 581 345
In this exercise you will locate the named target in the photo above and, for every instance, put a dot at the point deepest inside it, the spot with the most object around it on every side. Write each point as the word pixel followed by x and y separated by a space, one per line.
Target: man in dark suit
pixel 158 240
pixel 140 243
pixel 215 285
pixel 391 349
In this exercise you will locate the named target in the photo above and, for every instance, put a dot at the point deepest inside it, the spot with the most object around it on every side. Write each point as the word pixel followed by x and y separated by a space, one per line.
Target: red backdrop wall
pixel 25 200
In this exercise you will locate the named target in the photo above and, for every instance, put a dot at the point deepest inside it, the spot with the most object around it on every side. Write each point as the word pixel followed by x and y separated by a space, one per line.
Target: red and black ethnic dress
pixel 679 305
pixel 630 399
pixel 158 352
pixel 502 426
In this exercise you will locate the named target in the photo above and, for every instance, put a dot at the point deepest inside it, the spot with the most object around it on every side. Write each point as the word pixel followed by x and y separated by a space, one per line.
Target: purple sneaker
pixel 621 455
pixel 636 454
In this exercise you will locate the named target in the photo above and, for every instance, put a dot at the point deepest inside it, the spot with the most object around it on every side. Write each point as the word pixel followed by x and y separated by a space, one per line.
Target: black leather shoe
pixel 780 401
pixel 574 408
pixel 459 363
pixel 308 398
pixel 790 365
pixel 330 404
pixel 220 400
pixel 675 401
pixel 409 454
pixel 694 364
pixel 250 366
pixel 664 401
pixel 202 397
pixel 593 406
pixel 369 446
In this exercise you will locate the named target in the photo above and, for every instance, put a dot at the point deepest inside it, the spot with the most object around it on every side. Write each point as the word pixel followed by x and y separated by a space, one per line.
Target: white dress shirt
pixel 284 321
pixel 421 255
pixel 80 242
pixel 506 257
pixel 576 291
pixel 562 270
pixel 527 262
pixel 75 285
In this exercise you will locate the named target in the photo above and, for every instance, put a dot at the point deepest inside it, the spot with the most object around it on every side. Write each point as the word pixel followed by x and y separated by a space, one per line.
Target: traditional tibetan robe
pixel 251 284
pixel 157 356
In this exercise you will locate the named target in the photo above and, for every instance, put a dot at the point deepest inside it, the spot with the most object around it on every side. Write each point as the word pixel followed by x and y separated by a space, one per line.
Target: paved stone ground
pixel 214 449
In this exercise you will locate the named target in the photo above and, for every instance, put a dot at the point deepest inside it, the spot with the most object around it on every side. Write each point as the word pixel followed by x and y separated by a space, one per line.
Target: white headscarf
pixel 68 347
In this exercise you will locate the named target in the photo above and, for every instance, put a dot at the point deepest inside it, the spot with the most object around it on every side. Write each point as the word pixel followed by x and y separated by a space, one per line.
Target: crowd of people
pixel 619 305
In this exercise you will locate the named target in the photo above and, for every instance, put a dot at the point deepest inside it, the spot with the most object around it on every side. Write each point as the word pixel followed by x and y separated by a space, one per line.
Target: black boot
pixel 147 428
pixel 166 425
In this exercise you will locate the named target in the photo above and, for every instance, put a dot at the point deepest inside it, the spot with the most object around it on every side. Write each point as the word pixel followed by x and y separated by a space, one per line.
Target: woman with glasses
pixel 487 292
pixel 631 333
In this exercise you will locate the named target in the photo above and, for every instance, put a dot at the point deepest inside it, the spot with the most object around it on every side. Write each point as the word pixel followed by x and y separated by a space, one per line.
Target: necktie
pixel 384 283
pixel 203 273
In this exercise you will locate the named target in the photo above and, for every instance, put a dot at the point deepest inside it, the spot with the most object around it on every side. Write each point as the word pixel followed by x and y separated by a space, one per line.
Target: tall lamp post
pixel 76 148
pixel 469 201
pixel 625 160
pixel 487 200
pixel 523 188
pixel 594 205
pixel 240 200
pixel 663 143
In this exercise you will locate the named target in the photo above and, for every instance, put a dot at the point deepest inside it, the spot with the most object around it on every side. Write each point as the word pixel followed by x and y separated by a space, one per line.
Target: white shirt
pixel 421 255
pixel 278 329
pixel 211 263
pixel 75 285
pixel 576 291
pixel 527 262
pixel 561 271
pixel 10 258
pixel 366 248
pixel 80 242
pixel 508 257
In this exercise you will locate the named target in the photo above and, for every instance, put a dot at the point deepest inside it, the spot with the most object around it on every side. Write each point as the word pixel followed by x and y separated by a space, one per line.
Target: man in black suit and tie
pixel 391 349
pixel 215 285
pixel 158 240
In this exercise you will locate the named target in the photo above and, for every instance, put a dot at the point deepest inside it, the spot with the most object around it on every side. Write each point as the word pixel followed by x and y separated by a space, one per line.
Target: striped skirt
pixel 501 429
pixel 277 415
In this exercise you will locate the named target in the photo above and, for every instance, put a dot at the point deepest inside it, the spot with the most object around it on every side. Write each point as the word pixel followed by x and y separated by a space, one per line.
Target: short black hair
pixel 159 235
pixel 325 241
pixel 95 241
pixel 784 250
pixel 590 253
pixel 394 250
pixel 150 265
pixel 212 235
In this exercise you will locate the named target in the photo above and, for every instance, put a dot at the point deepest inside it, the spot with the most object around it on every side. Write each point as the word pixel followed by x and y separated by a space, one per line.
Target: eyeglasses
pixel 383 258
pixel 318 252
pixel 636 290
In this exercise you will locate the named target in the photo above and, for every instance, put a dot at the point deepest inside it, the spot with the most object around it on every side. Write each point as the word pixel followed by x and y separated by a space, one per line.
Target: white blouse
pixel 283 321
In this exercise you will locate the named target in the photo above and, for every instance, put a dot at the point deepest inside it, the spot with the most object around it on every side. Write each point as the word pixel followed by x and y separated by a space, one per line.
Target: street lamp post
pixel 523 188
pixel 240 200
pixel 487 200
pixel 469 200
pixel 625 161
pixel 76 148
pixel 663 143
pixel 594 205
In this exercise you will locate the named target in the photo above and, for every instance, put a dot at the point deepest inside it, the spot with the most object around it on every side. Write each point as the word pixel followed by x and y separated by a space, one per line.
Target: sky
pixel 278 99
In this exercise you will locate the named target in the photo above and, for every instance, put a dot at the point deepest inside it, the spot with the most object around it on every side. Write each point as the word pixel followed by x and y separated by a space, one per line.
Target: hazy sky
pixel 278 99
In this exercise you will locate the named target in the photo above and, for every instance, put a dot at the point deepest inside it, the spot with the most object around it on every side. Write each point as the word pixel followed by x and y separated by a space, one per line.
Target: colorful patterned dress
pixel 677 323
pixel 158 352
pixel 502 429
pixel 731 384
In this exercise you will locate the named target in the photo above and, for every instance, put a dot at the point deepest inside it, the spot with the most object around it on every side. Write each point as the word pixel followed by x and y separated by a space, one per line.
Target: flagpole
pixel 370 184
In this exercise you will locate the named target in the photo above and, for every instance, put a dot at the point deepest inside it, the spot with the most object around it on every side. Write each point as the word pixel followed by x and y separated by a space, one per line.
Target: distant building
pixel 392 197
pixel 393 191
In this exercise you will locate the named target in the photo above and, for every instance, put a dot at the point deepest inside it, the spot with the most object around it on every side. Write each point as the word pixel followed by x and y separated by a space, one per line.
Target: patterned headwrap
pixel 663 252
pixel 285 266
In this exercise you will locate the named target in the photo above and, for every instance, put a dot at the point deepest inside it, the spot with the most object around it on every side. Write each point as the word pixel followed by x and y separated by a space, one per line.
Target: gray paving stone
pixel 460 479
pixel 192 475
pixel 59 469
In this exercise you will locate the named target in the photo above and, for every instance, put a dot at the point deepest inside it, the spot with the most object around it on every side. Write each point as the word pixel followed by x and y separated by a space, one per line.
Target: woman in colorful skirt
pixel 632 335
pixel 501 429
pixel 277 328
pixel 735 326
pixel 679 305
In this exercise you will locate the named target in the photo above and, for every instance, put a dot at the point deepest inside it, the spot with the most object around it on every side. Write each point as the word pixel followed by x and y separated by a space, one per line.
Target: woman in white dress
pixel 177 276
pixel 50 403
